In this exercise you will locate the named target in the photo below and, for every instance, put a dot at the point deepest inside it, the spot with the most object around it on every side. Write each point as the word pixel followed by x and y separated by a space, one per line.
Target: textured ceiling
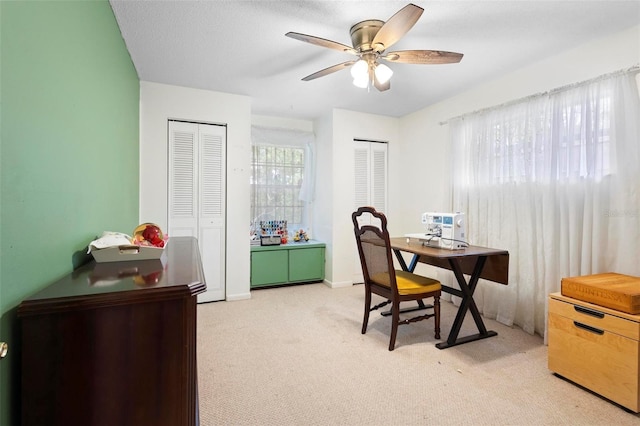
pixel 239 47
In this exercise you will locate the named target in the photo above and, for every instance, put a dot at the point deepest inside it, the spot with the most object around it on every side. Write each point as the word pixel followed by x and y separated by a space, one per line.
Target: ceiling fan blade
pixel 328 70
pixel 423 57
pixel 396 27
pixel 322 42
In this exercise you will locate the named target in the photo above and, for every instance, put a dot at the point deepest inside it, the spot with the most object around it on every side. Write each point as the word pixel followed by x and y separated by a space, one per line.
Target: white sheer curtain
pixel 555 180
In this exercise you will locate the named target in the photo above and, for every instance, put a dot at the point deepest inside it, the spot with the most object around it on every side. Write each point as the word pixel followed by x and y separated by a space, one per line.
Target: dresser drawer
pixel 595 316
pixel 595 349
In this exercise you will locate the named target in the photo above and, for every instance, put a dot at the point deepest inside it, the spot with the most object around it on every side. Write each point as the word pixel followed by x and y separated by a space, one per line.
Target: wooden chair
pixel 381 278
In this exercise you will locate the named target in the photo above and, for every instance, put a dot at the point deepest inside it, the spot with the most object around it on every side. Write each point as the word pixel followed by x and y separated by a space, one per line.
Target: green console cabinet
pixel 287 264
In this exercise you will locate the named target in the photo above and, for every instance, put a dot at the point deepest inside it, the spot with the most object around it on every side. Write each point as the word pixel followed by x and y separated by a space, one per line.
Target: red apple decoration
pixel 149 234
pixel 153 234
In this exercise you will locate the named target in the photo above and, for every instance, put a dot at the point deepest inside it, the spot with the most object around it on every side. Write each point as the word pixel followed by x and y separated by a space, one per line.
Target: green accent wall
pixel 69 114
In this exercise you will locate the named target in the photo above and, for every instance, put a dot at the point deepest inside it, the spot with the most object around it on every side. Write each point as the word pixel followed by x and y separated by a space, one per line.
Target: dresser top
pixel 177 274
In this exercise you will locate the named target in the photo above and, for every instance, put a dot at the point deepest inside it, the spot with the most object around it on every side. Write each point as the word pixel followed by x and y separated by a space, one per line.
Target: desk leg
pixel 466 292
pixel 403 264
pixel 410 268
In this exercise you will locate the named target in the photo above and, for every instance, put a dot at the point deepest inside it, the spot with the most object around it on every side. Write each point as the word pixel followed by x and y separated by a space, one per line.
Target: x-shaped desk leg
pixel 466 293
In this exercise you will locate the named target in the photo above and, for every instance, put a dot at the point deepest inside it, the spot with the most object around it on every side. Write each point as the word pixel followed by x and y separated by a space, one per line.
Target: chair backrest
pixel 374 247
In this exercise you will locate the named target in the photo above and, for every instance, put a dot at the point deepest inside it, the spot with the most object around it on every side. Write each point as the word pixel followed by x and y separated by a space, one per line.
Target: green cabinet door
pixel 306 264
pixel 269 267
pixel 287 264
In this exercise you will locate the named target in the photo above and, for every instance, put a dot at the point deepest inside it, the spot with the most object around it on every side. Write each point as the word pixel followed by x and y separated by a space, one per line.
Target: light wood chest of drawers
pixel 596 347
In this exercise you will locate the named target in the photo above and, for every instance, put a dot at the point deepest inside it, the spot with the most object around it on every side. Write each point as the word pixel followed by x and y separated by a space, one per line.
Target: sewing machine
pixel 443 230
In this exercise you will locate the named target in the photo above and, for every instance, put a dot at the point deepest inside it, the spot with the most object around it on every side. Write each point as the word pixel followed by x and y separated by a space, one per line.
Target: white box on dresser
pixel 596 347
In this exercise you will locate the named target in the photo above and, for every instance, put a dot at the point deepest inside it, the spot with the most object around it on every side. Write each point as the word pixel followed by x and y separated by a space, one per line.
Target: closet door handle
pixel 588 328
pixel 588 311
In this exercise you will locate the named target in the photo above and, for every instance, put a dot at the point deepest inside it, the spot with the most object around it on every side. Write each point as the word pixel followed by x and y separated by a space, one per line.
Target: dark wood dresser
pixel 115 343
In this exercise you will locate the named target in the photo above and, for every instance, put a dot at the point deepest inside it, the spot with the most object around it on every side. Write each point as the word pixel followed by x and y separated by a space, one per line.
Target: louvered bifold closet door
pixel 379 176
pixel 197 158
pixel 361 174
pixel 212 207
pixel 370 184
pixel 183 185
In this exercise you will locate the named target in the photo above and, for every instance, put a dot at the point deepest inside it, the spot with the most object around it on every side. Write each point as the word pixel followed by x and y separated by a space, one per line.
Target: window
pixel 584 143
pixel 276 179
pixel 552 138
pixel 281 176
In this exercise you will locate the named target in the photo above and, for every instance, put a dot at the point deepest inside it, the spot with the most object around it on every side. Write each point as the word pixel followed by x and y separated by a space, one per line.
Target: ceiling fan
pixel 371 39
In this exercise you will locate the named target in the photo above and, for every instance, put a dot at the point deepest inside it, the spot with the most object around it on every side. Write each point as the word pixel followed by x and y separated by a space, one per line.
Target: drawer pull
pixel 588 328
pixel 588 311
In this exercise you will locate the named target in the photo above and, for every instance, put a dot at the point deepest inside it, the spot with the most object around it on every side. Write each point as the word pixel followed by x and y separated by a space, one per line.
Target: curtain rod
pixel 634 68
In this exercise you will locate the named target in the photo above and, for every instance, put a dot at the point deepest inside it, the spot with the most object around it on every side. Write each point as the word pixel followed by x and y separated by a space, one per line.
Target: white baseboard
pixel 338 284
pixel 241 296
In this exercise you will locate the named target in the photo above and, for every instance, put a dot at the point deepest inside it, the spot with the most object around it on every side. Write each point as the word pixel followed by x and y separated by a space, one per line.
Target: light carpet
pixel 295 356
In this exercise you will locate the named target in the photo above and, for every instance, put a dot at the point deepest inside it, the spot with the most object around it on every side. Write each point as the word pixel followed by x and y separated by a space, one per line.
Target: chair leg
pixel 395 320
pixel 367 309
pixel 436 311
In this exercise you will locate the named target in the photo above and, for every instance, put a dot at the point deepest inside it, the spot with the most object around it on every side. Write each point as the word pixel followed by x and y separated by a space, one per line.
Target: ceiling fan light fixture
pixel 360 70
pixel 370 40
pixel 383 73
pixel 361 82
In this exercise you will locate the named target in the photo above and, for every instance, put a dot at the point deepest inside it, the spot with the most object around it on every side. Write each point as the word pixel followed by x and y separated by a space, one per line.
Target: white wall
pixel 425 141
pixel 347 126
pixel 158 104
pixel 282 122
pixel 323 203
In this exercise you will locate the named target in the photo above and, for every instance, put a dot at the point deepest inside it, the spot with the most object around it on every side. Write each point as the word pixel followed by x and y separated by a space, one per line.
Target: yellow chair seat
pixel 408 283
